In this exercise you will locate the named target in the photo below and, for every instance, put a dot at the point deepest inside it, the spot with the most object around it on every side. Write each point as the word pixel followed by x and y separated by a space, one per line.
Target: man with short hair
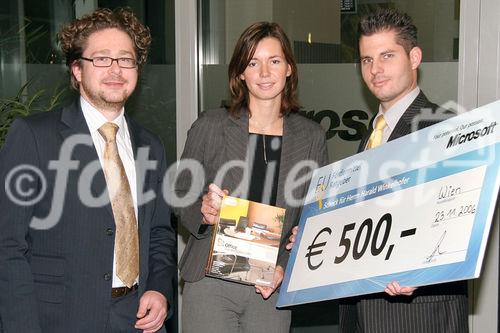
pixel 89 251
pixel 390 58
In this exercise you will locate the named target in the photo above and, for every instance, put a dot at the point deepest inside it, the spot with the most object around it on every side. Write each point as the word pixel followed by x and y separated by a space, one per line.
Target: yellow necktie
pixel 126 237
pixel 378 131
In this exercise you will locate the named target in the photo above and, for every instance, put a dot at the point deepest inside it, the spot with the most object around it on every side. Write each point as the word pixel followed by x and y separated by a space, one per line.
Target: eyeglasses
pixel 108 61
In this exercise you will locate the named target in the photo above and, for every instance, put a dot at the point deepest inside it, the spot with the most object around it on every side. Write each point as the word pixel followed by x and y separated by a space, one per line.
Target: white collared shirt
pixel 395 112
pixel 95 120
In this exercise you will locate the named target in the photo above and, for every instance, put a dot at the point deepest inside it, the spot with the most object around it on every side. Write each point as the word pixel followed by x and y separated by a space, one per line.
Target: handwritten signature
pixel 437 250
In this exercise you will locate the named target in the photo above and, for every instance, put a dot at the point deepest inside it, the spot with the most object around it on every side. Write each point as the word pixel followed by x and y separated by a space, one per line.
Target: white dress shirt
pixel 95 120
pixel 395 112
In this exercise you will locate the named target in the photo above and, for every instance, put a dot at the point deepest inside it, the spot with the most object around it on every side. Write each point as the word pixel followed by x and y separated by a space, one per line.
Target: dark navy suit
pixel 60 279
pixel 431 309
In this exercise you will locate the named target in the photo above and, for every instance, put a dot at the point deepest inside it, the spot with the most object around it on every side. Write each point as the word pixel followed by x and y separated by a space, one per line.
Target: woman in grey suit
pixel 260 149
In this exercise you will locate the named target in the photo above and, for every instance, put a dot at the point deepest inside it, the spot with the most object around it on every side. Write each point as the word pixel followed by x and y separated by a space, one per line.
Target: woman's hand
pixel 210 206
pixel 266 292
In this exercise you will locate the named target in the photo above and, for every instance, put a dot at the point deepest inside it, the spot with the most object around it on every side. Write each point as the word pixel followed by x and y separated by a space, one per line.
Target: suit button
pixel 107 276
pixel 109 232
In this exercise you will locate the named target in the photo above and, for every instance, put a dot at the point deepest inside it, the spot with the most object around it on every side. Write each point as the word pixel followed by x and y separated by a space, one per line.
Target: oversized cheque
pixel 416 210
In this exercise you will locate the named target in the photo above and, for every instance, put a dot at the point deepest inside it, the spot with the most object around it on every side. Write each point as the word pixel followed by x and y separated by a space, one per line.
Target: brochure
pixel 246 241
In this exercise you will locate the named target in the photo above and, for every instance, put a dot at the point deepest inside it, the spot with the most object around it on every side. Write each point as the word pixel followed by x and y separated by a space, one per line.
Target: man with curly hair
pixel 99 255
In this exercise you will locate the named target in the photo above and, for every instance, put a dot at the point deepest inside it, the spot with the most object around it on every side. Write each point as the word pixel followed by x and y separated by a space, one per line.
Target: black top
pixel 264 172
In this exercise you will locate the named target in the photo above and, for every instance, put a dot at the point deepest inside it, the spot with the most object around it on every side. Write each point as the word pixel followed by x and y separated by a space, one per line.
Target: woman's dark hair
pixel 243 53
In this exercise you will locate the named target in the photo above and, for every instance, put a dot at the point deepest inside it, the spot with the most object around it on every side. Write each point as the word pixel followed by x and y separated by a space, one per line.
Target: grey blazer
pixel 437 308
pixel 217 137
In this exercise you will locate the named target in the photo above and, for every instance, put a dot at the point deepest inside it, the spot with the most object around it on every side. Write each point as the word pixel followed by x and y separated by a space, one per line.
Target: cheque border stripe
pixel 431 172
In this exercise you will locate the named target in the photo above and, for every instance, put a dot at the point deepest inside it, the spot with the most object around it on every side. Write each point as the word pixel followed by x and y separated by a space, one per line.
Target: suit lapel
pixel 295 148
pixel 364 140
pixel 138 141
pixel 73 123
pixel 404 125
pixel 236 144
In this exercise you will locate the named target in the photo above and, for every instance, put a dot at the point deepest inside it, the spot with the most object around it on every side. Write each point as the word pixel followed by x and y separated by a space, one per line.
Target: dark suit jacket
pixel 59 279
pixel 216 138
pixel 428 309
